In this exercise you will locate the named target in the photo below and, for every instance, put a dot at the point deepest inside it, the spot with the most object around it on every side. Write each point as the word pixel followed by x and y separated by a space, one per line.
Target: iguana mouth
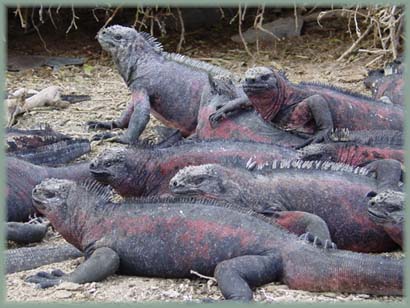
pixel 255 87
pixel 100 175
pixel 376 215
pixel 38 202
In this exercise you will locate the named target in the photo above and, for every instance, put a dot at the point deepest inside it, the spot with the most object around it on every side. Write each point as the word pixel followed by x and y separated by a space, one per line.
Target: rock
pixel 60 294
pixel 281 28
pixel 71 286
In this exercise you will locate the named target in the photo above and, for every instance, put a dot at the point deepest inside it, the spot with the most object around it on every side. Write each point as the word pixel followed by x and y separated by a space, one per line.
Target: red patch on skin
pixel 196 237
pixel 291 221
pixel 226 129
pixel 357 154
pixel 265 105
pixel 301 119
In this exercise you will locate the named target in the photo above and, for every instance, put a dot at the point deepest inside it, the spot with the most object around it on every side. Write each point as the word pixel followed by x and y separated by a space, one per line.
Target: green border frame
pixel 208 3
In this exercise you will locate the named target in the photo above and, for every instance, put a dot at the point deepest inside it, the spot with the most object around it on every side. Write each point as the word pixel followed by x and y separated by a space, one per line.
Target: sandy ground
pixel 309 57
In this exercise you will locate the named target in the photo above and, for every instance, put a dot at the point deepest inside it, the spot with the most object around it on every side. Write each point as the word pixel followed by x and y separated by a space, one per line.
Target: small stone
pixel 62 294
pixel 171 293
pixel 71 286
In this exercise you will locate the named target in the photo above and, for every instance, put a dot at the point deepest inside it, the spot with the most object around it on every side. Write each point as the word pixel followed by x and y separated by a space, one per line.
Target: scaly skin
pixel 387 210
pixel 350 153
pixel 392 87
pixel 23 259
pixel 160 85
pixel 23 176
pixel 241 251
pixel 358 148
pixel 147 171
pixel 245 125
pixel 311 109
pixel 44 146
pixel 388 84
pixel 338 197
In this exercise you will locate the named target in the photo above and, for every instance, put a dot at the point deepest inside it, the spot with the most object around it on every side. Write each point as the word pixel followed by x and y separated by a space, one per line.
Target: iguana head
pixel 116 38
pixel 265 90
pixel 386 207
pixel 127 47
pixel 258 79
pixel 110 166
pixel 51 195
pixel 193 180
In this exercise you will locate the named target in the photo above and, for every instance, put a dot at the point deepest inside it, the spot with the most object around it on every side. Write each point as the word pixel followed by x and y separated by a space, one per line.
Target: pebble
pixel 60 294
pixel 71 286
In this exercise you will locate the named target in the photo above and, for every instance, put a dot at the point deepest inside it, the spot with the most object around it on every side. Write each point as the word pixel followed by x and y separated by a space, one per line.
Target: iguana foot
pixel 37 220
pixel 110 137
pixel 316 241
pixel 320 136
pixel 98 125
pixel 45 280
pixel 215 117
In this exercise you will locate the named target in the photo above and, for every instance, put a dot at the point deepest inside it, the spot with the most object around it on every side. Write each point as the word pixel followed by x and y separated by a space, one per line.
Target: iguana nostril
pixel 175 183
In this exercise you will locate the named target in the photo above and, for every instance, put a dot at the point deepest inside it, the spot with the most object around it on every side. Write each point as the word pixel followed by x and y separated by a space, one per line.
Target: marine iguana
pixel 26 258
pixel 138 237
pixel 44 146
pixel 388 84
pixel 146 171
pixel 170 86
pixel 357 148
pixel 387 210
pixel 389 89
pixel 334 192
pixel 312 109
pixel 245 125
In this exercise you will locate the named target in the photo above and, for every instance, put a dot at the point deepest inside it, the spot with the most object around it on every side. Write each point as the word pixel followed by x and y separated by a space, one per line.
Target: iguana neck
pixel 269 103
pixel 139 175
pixel 130 61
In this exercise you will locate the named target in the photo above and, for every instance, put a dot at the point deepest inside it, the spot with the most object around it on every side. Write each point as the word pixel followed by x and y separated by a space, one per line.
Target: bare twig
pixel 182 36
pixel 240 18
pixel 356 43
pixel 51 17
pixel 392 32
pixel 112 16
pixel 23 22
pixel 202 276
pixel 38 32
pixel 74 17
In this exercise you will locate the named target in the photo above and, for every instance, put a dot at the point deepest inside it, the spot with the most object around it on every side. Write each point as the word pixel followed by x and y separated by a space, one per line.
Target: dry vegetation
pixel 312 56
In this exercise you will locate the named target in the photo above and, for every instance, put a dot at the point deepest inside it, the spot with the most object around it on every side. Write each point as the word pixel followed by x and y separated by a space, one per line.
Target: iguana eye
pixel 108 164
pixel 118 37
pixel 49 194
pixel 265 77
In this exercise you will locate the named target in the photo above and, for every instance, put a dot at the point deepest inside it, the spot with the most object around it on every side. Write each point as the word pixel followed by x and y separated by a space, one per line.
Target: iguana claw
pixel 110 137
pixel 215 117
pixel 316 241
pixel 98 124
pixel 45 280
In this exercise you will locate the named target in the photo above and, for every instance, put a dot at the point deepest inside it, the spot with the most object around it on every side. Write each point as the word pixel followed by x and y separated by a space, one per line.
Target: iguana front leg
pixel 223 110
pixel 102 263
pixel 322 116
pixel 135 117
